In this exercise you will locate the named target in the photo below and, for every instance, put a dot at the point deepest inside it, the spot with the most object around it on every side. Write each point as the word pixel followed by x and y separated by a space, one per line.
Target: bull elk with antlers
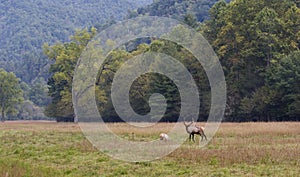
pixel 193 129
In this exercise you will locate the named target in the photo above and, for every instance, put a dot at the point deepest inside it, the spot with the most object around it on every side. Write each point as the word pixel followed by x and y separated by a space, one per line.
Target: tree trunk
pixel 2 115
pixel 75 119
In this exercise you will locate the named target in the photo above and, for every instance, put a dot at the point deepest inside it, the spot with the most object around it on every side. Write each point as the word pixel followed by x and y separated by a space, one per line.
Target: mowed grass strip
pixel 238 149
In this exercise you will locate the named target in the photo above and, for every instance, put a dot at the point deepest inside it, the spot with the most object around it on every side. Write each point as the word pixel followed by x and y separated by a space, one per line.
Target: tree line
pixel 18 101
pixel 258 46
pixel 26 25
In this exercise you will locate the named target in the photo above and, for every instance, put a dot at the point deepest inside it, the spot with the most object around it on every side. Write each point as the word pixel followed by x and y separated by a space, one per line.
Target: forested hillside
pixel 257 43
pixel 258 46
pixel 26 25
pixel 177 9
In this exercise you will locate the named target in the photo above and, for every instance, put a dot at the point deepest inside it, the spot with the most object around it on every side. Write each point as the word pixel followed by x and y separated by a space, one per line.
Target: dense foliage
pixel 148 84
pixel 65 57
pixel 255 41
pixel 26 25
pixel 10 93
pixel 258 46
pixel 177 9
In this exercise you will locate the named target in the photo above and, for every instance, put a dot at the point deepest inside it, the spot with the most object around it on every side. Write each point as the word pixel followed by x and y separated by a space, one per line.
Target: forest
pixel 257 43
pixel 26 25
pixel 177 9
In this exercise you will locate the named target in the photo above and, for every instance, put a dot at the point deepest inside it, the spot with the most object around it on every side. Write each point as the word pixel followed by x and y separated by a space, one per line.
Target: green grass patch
pixel 62 150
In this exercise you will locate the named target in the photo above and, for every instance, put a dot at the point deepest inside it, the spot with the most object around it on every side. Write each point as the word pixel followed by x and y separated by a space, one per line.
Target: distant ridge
pixel 26 25
pixel 177 9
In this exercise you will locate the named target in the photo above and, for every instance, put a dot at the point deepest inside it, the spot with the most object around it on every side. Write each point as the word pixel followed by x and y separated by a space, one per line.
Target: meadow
pixel 238 149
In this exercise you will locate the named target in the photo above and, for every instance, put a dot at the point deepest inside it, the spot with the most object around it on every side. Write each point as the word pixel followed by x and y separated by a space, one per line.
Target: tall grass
pixel 238 149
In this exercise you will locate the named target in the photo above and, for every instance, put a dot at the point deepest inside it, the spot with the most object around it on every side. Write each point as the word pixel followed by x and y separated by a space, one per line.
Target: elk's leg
pixel 193 137
pixel 205 136
pixel 190 137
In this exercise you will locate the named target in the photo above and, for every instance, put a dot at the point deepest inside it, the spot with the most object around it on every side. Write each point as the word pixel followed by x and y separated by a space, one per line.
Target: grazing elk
pixel 193 129
pixel 164 137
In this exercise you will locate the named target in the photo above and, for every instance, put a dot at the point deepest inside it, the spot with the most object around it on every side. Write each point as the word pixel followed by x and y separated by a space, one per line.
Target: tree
pixel 279 98
pixel 10 93
pixel 60 84
pixel 191 20
pixel 248 36
pixel 38 93
pixel 284 77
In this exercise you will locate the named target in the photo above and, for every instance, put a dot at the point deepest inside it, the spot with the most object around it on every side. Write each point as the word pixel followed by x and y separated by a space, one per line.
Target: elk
pixel 164 137
pixel 193 129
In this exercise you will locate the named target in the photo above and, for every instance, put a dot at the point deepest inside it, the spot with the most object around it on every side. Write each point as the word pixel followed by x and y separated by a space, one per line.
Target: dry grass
pixel 36 126
pixel 238 149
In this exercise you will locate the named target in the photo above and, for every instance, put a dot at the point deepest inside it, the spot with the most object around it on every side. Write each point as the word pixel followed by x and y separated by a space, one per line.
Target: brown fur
pixel 193 129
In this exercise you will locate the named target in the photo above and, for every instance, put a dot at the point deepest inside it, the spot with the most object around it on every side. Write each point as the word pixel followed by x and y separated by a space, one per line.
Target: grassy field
pixel 238 149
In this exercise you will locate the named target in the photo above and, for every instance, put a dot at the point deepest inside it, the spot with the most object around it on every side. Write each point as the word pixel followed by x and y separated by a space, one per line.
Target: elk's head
pixel 188 124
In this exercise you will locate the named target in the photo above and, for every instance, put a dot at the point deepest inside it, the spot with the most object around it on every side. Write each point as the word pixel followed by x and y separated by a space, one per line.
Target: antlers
pixel 187 125
pixel 193 129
